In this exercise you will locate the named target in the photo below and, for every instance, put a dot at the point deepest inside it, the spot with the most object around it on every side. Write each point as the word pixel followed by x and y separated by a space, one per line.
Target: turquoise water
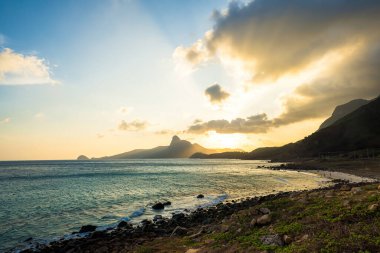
pixel 48 199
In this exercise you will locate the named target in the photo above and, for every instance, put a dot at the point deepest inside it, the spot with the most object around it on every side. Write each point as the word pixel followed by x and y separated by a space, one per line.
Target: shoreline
pixel 183 224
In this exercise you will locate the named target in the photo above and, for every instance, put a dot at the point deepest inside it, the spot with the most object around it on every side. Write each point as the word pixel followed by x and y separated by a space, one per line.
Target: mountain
pixel 177 149
pixel 357 130
pixel 342 110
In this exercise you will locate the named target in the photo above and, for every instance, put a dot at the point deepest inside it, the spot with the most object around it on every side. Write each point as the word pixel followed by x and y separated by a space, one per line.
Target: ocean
pixel 46 200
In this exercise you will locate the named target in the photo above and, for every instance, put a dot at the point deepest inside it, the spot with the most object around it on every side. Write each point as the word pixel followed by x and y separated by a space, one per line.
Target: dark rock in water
pixel 200 196
pixel 124 224
pixel 167 203
pixel 179 231
pixel 157 217
pixel 158 206
pixel 87 228
pixel 272 240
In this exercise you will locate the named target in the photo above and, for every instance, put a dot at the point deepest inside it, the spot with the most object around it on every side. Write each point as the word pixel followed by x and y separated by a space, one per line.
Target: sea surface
pixel 48 199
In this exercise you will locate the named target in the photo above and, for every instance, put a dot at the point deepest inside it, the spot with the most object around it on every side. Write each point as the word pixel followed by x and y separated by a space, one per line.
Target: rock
pixel 253 222
pixel 167 203
pixel 378 187
pixel 177 217
pixel 157 217
pixel 287 239
pixel 158 206
pixel 200 196
pixel 98 234
pixel 356 189
pixel 345 187
pixel 373 207
pixel 87 228
pixel 224 228
pixel 304 238
pixel 124 224
pixel 272 240
pixel 264 210
pixel 192 251
pixel 263 220
pixel 179 231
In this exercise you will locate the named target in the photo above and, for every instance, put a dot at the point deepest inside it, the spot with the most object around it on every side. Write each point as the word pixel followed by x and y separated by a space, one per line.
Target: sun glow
pixel 214 139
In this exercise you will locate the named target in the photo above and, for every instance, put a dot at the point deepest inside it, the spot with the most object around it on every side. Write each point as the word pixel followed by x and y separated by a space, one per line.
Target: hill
pixel 342 110
pixel 177 149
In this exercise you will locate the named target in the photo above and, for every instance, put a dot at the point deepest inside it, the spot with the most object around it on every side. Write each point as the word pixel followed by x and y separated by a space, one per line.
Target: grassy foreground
pixel 344 219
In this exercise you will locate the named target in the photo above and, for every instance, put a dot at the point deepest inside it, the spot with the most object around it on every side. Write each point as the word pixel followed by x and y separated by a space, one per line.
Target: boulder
pixel 264 210
pixel 158 206
pixel 264 219
pixel 345 187
pixel 287 239
pixel 178 216
pixel 253 222
pixel 157 217
pixel 167 203
pixel 124 224
pixel 98 234
pixel 200 196
pixel 272 240
pixel 87 228
pixel 356 189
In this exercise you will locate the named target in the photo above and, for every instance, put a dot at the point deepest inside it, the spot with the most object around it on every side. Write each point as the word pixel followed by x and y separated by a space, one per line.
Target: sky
pixel 102 77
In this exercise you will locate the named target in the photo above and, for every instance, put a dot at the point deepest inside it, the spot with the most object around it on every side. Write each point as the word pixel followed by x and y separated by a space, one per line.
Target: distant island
pixel 177 149
pixel 82 157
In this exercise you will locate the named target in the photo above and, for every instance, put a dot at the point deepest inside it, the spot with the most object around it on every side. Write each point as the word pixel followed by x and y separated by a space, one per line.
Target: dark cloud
pixel 255 124
pixel 275 38
pixel 216 94
pixel 135 125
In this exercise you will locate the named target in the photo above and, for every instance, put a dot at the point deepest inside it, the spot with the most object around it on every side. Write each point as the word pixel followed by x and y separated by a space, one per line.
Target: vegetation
pixel 337 220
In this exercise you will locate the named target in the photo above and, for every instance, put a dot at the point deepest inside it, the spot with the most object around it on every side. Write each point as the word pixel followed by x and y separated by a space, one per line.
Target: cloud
pixel 19 69
pixel 5 121
pixel 275 39
pixel 195 54
pixel 166 132
pixel 216 94
pixel 135 125
pixel 254 124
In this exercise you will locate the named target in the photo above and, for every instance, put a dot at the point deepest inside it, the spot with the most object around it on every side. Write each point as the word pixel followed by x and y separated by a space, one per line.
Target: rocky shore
pixel 344 217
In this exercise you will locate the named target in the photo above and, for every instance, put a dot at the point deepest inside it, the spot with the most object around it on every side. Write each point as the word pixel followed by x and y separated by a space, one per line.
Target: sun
pixel 214 139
